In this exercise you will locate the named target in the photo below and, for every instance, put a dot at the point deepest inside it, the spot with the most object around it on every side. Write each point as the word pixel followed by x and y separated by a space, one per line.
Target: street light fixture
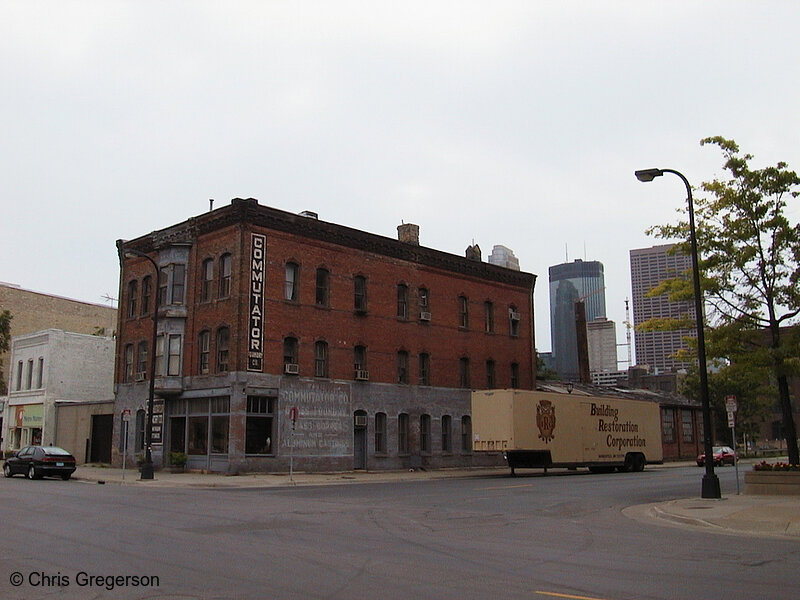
pixel 710 487
pixel 147 466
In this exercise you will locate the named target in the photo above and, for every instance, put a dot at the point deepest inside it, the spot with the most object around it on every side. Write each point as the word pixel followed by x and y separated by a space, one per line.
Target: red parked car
pixel 723 455
pixel 37 461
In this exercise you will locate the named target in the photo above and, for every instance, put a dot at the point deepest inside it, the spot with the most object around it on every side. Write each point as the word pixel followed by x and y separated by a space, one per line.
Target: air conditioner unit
pixel 424 316
pixel 514 316
pixel 362 375
pixel 360 420
pixel 291 369
pixel 139 377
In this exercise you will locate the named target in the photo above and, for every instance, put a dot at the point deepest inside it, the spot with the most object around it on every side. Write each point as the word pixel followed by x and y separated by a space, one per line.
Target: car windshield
pixel 55 451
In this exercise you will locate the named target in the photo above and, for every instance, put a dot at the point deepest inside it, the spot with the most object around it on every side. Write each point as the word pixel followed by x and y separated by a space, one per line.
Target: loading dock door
pixel 102 426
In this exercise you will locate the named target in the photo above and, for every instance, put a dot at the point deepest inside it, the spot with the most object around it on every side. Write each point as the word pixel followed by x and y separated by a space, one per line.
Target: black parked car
pixel 37 461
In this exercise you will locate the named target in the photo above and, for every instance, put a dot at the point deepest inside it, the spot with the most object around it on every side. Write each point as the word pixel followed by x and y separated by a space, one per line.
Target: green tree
pixel 750 267
pixel 5 339
pixel 544 373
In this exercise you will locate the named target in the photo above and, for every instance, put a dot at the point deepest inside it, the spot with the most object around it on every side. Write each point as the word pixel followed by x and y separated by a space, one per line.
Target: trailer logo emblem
pixel 546 420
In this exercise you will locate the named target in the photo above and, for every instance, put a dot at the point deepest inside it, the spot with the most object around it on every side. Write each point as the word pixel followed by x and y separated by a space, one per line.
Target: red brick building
pixel 376 342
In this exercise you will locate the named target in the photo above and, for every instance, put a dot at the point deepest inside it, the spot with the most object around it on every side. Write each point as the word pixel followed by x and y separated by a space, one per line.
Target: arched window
pixel 323 287
pixel 141 361
pixel 290 351
pixel 133 293
pixel 402 366
pixel 402 301
pixel 291 282
pixel 380 433
pixel 463 312
pixel 463 372
pixel 402 433
pixel 225 275
pixel 488 309
pixel 490 378
pixel 447 433
pixel 425 434
pixel 223 339
pixel 140 425
pixel 321 359
pixel 424 368
pixel 360 293
pixel 147 291
pixel 208 280
pixel 204 348
pixel 513 321
pixel 466 433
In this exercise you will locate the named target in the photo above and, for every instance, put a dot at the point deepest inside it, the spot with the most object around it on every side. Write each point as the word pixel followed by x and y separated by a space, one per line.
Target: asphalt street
pixel 564 535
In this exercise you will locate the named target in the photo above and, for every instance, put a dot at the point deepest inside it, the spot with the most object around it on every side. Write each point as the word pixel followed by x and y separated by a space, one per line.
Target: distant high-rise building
pixel 504 257
pixel 602 339
pixel 649 267
pixel 569 283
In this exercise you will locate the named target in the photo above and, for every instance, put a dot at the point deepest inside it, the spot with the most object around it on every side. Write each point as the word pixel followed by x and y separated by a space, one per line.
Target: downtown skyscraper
pixel 570 283
pixel 649 267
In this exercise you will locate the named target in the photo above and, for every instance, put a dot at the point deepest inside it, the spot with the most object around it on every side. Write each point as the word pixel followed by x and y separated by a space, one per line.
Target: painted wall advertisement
pixel 324 424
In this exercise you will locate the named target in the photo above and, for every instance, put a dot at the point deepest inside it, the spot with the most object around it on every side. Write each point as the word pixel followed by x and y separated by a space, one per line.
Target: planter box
pixel 772 483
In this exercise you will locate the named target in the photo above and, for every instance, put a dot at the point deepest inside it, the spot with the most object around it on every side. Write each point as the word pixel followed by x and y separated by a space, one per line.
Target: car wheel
pixel 66 476
pixel 7 470
pixel 32 474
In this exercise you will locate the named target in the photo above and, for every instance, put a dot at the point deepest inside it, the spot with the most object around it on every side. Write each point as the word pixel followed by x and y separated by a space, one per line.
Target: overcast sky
pixel 514 123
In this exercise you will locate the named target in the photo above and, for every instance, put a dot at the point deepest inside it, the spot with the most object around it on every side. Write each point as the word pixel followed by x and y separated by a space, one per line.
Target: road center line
pixel 504 487
pixel 566 596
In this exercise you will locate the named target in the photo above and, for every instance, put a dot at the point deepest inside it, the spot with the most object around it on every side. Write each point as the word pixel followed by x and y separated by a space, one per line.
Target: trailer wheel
pixel 638 462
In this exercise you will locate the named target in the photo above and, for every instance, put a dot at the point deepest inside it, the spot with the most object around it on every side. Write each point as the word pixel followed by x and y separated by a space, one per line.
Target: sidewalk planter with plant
pixel 773 479
pixel 177 461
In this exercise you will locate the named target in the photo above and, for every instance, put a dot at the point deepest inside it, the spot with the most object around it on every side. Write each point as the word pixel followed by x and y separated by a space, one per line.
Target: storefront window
pixel 200 427
pixel 259 434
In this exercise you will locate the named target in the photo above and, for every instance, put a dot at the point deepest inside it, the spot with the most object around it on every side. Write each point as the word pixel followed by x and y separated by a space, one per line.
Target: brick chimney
pixel 408 233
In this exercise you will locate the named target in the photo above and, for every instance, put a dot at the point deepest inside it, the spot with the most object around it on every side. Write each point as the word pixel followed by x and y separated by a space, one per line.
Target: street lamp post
pixel 147 466
pixel 710 488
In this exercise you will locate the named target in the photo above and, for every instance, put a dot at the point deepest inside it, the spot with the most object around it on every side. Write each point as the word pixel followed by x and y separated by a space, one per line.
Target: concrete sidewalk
pixel 770 516
pixel 740 515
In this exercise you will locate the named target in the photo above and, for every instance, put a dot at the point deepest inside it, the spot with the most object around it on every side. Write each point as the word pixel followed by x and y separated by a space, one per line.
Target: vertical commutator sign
pixel 255 350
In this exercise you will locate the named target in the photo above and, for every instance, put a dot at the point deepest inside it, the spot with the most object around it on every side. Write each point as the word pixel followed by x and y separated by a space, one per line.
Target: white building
pixel 53 368
pixel 602 341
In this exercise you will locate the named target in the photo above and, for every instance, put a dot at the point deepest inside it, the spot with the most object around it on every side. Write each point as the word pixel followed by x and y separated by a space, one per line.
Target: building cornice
pixel 249 211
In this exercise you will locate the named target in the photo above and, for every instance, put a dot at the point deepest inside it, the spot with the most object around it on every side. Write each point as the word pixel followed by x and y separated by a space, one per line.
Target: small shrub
pixel 778 466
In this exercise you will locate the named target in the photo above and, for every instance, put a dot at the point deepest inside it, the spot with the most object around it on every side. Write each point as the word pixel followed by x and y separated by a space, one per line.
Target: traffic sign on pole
pixel 730 404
